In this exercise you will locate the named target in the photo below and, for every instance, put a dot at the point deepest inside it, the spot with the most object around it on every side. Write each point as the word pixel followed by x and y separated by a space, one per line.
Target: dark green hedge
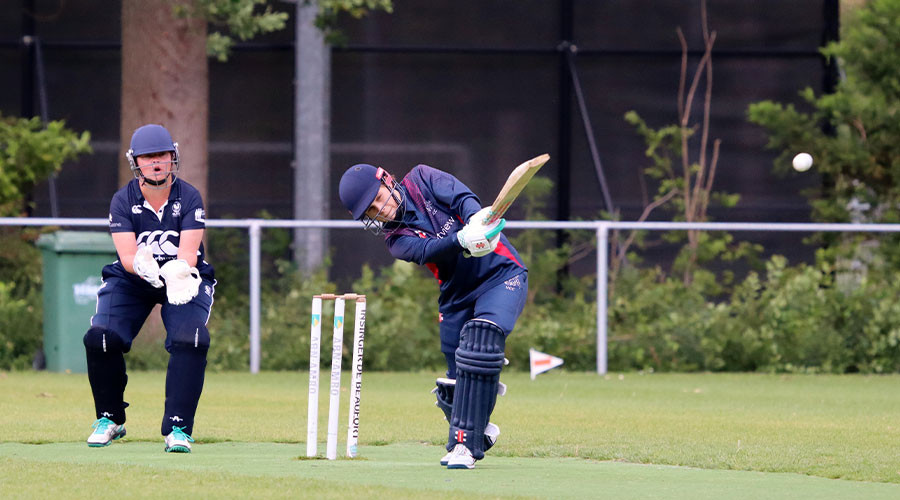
pixel 782 318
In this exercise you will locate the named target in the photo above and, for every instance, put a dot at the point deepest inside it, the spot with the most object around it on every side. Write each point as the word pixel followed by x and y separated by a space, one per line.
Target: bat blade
pixel 516 181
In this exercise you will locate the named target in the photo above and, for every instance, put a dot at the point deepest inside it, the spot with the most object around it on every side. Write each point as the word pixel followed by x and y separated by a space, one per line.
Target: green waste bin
pixel 73 261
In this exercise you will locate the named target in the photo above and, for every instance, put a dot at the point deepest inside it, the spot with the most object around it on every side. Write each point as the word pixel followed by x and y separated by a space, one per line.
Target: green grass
pixel 563 435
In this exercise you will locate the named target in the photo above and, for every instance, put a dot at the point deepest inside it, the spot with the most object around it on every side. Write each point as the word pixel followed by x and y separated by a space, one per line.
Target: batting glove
pixel 480 240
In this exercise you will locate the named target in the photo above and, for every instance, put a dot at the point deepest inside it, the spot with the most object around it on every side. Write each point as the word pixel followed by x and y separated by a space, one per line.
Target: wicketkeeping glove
pixel 480 240
pixel 182 281
pixel 146 267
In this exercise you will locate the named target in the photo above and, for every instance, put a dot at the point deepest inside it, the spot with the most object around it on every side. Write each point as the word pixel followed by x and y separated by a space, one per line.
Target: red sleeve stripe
pixel 504 251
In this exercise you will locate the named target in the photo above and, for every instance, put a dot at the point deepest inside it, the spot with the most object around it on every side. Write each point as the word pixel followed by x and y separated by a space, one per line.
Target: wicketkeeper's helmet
pixel 151 139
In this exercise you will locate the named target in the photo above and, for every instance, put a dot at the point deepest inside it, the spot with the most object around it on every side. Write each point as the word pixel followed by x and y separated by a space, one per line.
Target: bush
pixel 21 304
pixel 794 319
pixel 800 318
pixel 20 327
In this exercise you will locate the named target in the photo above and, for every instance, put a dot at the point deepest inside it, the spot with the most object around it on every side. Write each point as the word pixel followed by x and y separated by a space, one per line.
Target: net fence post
pixel 254 230
pixel 602 277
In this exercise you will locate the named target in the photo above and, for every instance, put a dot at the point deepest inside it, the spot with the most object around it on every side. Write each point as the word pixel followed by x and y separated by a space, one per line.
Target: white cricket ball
pixel 802 162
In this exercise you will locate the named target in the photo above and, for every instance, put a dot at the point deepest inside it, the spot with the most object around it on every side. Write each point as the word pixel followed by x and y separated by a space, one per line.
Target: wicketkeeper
pixel 433 219
pixel 157 223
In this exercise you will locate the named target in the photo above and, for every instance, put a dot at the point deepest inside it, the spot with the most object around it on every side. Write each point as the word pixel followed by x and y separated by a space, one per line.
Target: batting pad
pixel 479 360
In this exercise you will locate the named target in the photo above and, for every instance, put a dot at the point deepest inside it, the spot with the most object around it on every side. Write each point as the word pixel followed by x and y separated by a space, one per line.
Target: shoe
pixel 105 431
pixel 178 442
pixel 491 433
pixel 446 458
pixel 461 458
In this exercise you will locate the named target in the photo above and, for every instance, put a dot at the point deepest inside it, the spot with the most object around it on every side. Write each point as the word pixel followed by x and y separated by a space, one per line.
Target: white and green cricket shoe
pixel 178 441
pixel 105 431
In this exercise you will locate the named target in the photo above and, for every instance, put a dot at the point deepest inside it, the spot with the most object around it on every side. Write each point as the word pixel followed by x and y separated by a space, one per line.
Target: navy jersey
pixel 437 205
pixel 129 212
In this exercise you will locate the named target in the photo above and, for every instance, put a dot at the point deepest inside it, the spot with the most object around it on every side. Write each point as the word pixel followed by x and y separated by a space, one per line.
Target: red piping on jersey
pixel 434 269
pixel 430 265
pixel 502 250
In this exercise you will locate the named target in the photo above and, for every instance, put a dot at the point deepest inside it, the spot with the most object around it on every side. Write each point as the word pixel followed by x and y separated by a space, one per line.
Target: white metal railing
pixel 601 228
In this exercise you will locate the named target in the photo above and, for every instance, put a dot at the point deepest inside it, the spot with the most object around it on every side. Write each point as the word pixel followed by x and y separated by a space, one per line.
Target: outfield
pixel 565 435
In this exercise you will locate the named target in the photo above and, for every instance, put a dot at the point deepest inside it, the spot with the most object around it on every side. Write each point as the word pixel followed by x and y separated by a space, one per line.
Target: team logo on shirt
pixel 513 284
pixel 176 209
pixel 158 241
pixel 445 228
pixel 136 209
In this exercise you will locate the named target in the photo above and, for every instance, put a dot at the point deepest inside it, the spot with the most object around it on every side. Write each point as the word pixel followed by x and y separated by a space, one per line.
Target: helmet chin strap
pixel 160 184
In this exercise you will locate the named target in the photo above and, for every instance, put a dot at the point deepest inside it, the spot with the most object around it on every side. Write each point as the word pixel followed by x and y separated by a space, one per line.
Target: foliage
pixel 331 10
pixel 21 304
pixel 404 334
pixel 281 288
pixel 793 319
pixel 238 18
pixel 785 319
pixel 852 132
pixel 29 153
pixel 401 297
pixel 242 19
pixel 684 185
pixel 20 327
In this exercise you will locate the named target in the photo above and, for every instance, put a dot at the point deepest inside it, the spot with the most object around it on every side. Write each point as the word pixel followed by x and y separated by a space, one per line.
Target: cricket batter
pixel 157 223
pixel 433 219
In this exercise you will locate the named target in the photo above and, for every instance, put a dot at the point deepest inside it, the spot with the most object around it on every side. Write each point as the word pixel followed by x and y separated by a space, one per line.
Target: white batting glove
pixel 480 215
pixel 492 245
pixel 480 240
pixel 182 281
pixel 146 267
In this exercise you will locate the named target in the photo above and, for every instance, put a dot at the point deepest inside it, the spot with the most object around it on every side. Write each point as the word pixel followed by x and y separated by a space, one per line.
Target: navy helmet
pixel 150 139
pixel 358 188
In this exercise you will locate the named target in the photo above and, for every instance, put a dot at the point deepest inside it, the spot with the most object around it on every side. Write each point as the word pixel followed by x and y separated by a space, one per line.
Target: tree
pixel 29 153
pixel 165 81
pixel 165 76
pixel 852 133
pixel 685 171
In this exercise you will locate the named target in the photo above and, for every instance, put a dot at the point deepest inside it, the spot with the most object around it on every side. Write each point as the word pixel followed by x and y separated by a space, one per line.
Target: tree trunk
pixel 165 81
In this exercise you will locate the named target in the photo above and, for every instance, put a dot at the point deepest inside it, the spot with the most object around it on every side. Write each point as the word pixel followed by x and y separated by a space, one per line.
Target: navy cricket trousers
pixel 501 304
pixel 123 305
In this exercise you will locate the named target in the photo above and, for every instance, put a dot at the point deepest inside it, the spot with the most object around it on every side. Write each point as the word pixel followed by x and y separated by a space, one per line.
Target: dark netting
pixel 473 88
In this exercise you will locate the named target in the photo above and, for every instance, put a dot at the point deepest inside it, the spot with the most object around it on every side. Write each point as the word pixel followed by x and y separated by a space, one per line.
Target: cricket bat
pixel 514 185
